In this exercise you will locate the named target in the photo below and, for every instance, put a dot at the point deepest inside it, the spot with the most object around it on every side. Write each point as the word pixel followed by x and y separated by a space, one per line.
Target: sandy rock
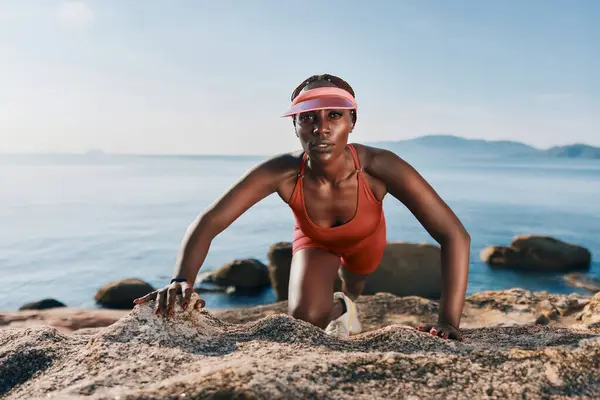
pixel 485 309
pixel 246 274
pixel 546 308
pixel 542 320
pixel 120 294
pixel 42 305
pixel 524 301
pixel 538 253
pixel 197 355
pixel 586 282
pixel 408 269
pixel 88 331
pixel 591 313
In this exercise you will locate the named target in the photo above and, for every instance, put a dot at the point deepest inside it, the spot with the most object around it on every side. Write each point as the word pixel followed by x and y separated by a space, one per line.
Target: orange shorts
pixel 361 258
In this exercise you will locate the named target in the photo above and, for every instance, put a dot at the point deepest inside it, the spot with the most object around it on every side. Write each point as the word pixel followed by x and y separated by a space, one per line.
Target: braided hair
pixel 338 82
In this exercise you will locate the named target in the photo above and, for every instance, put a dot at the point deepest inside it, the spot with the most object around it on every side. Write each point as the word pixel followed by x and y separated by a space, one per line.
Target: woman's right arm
pixel 258 183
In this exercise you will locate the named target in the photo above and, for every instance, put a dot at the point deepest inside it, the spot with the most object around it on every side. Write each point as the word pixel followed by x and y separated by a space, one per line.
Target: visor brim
pixel 322 103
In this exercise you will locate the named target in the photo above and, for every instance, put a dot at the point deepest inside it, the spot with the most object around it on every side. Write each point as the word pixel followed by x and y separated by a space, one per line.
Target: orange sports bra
pixel 368 219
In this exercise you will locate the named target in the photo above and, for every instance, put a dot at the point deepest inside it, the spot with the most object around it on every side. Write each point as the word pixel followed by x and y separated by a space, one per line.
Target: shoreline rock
pixel 538 253
pixel 275 356
pixel 64 319
pixel 244 275
pixel 120 294
pixel 406 269
pixel 43 304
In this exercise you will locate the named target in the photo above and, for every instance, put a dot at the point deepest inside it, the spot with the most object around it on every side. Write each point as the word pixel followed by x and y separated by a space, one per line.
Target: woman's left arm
pixel 408 186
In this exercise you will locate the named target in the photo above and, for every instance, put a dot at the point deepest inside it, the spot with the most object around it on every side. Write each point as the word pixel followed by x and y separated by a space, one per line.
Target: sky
pixel 206 77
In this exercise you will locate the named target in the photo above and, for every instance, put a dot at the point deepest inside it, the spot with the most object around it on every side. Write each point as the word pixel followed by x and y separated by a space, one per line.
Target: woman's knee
pixel 317 315
pixel 353 289
pixel 352 284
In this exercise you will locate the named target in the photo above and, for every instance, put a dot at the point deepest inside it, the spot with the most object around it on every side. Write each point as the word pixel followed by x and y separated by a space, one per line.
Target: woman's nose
pixel 321 124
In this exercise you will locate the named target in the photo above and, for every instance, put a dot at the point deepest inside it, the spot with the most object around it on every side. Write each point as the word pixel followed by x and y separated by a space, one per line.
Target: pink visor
pixel 323 98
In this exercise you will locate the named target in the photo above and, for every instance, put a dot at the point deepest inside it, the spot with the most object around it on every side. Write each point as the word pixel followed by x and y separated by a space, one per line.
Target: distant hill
pixel 574 151
pixel 455 146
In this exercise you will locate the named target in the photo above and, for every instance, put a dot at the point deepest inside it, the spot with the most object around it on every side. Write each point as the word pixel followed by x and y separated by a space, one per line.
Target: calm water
pixel 71 224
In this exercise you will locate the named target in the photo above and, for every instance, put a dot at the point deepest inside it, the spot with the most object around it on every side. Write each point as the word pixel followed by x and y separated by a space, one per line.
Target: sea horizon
pixel 85 224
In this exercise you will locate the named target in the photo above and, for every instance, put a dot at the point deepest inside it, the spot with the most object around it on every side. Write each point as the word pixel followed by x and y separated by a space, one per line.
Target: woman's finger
pixel 148 297
pixel 171 296
pixel 187 294
pixel 160 298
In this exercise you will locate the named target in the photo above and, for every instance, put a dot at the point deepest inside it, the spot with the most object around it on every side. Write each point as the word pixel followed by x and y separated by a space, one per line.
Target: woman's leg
pixel 357 266
pixel 353 284
pixel 312 277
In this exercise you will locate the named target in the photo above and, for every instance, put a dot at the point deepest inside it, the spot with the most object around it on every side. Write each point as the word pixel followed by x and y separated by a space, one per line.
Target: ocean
pixel 69 224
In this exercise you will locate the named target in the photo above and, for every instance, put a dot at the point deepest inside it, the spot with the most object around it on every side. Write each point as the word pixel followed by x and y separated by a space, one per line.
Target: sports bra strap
pixel 302 164
pixel 355 158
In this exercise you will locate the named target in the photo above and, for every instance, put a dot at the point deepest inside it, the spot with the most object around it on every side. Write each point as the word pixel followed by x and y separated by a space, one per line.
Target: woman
pixel 335 191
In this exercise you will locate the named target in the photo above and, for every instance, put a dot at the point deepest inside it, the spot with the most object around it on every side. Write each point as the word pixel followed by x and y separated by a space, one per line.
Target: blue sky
pixel 213 77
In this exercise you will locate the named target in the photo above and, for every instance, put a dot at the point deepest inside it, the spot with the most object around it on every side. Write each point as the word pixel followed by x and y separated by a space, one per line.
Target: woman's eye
pixel 306 117
pixel 335 114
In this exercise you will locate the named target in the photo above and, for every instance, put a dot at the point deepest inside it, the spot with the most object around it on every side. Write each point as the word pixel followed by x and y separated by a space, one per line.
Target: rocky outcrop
pixel 538 253
pixel 280 261
pixel 65 319
pixel 44 304
pixel 590 316
pixel 243 275
pixel 408 269
pixel 120 294
pixel 199 355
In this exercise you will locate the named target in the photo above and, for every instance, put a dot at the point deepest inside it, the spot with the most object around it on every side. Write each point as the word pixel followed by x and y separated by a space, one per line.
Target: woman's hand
pixel 442 330
pixel 165 298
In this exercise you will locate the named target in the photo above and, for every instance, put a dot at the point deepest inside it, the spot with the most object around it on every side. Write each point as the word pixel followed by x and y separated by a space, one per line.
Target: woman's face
pixel 323 134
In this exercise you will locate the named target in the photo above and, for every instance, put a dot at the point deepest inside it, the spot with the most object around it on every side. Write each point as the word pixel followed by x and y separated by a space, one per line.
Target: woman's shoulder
pixel 369 155
pixel 283 164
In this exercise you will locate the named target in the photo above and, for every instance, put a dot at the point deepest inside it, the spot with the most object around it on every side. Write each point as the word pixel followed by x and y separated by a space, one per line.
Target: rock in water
pixel 196 355
pixel 408 269
pixel 538 253
pixel 280 262
pixel 247 274
pixel 120 294
pixel 44 304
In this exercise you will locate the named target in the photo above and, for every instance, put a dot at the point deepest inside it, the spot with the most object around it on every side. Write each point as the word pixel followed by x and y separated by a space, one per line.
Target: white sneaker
pixel 347 324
